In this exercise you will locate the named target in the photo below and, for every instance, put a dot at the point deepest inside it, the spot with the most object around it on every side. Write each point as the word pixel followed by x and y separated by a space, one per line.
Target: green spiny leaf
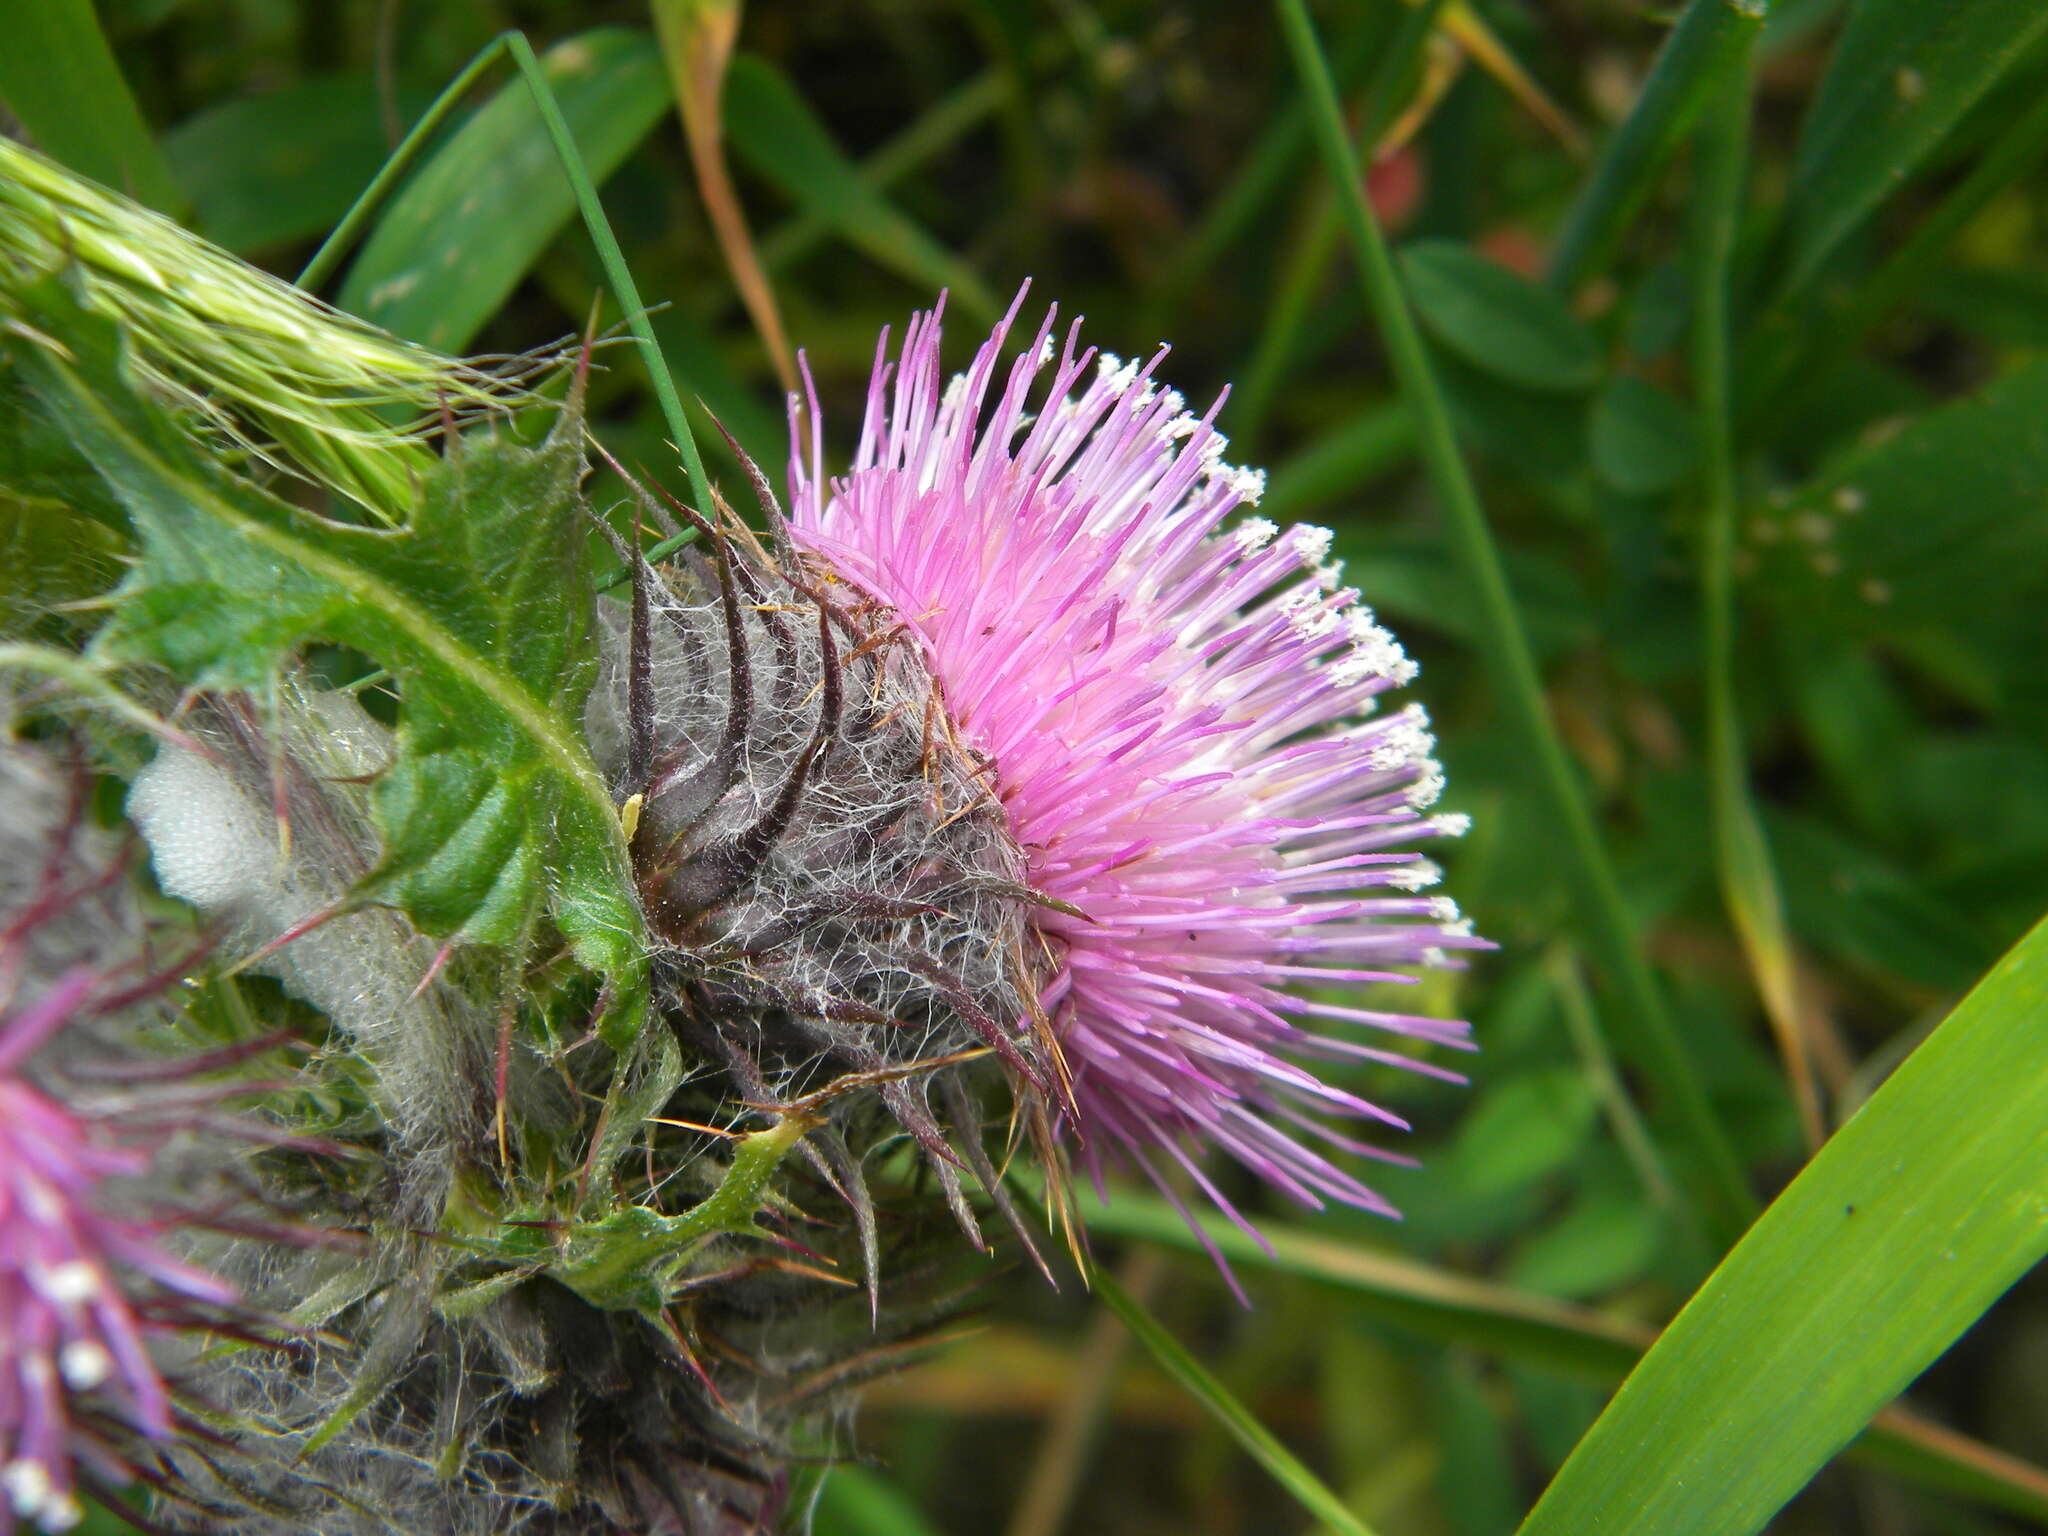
pixel 479 608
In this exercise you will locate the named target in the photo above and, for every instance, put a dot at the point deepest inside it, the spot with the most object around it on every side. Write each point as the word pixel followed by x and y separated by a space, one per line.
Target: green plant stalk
pixel 1712 38
pixel 355 223
pixel 1912 1220
pixel 1244 1427
pixel 1728 1198
pixel 1742 855
pixel 613 260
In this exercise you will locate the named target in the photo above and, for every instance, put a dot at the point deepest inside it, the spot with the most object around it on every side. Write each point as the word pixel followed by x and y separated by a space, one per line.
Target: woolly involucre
pixel 1180 718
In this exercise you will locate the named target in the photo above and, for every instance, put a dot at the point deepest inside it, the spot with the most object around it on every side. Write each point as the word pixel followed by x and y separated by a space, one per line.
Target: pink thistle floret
pixel 69 1269
pixel 1182 722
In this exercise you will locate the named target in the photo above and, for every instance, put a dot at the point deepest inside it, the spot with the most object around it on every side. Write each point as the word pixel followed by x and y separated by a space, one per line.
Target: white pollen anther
pixel 1454 825
pixel 84 1364
pixel 28 1487
pixel 73 1280
pixel 1114 373
pixel 1426 790
pixel 1247 485
pixel 1254 533
pixel 1312 543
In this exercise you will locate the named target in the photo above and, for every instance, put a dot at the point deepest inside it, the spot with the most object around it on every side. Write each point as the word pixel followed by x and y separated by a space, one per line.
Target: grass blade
pixel 1577 1341
pixel 59 77
pixel 1749 884
pixel 1902 76
pixel 857 1502
pixel 481 209
pixel 1711 37
pixel 1612 936
pixel 1259 1442
pixel 394 170
pixel 1910 1222
pixel 616 272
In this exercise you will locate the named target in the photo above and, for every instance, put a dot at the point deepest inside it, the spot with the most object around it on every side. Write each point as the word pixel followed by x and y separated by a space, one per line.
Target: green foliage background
pixel 1782 580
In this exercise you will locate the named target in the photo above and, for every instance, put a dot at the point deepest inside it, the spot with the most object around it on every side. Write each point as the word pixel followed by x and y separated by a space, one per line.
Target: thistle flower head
pixel 1179 717
pixel 83 1279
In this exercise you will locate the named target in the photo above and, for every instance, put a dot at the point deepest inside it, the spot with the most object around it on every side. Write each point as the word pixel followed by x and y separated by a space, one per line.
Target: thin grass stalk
pixel 616 272
pixel 366 207
pixel 1259 1442
pixel 1749 883
pixel 1726 1193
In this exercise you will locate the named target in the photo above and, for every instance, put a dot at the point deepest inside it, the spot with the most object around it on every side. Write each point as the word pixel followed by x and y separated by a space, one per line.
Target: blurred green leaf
pixel 857 1502
pixel 268 170
pixel 1901 77
pixel 454 244
pixel 1936 523
pixel 492 808
pixel 1863 909
pixel 1499 323
pixel 1538 435
pixel 1710 37
pixel 1313 483
pixel 1911 1221
pixel 2007 308
pixel 775 132
pixel 1521 1129
pixel 1476 1480
pixel 1643 440
pixel 59 77
pixel 1605 1239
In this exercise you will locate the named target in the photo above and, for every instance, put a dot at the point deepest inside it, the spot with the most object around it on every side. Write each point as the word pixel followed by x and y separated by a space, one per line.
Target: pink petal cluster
pixel 71 1342
pixel 1182 721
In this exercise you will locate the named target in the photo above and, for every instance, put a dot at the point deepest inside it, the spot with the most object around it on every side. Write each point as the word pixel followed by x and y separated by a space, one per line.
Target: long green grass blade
pixel 1244 1427
pixel 1913 1219
pixel 857 1502
pixel 616 272
pixel 1610 932
pixel 59 77
pixel 1465 1310
pixel 1711 38
pixel 1775 381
